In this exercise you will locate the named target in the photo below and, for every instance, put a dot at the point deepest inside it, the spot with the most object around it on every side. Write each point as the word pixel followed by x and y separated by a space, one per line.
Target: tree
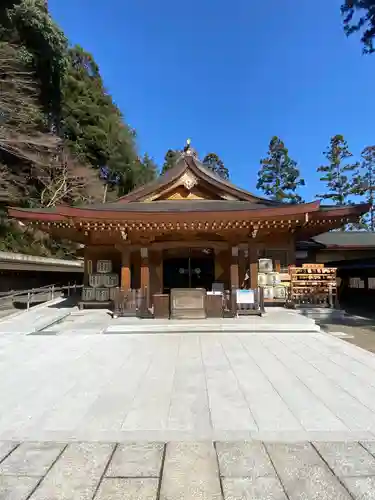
pixel 43 48
pixel 338 175
pixel 170 159
pixel 214 163
pixel 147 171
pixel 364 23
pixel 62 138
pixel 37 166
pixel 92 125
pixel 364 185
pixel 279 176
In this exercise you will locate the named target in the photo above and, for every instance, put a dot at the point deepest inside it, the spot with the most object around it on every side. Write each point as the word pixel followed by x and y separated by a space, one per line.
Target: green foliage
pixel 337 174
pixel 148 171
pixel 92 124
pixel 59 126
pixel 170 159
pixel 359 16
pixel 27 24
pixel 364 185
pixel 214 163
pixel 279 177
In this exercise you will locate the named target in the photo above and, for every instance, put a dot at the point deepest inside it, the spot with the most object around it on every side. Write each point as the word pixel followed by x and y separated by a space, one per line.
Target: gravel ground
pixel 360 328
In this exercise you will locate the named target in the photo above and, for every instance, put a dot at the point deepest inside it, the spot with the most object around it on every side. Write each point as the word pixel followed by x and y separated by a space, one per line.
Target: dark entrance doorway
pixel 194 271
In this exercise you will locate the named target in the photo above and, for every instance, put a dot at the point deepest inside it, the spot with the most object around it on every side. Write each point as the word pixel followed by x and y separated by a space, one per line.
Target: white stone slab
pixel 136 460
pixel 304 474
pixel 77 472
pixel 190 472
pixel 347 459
pixel 129 489
pixel 17 487
pixel 249 488
pixel 31 459
pixel 244 459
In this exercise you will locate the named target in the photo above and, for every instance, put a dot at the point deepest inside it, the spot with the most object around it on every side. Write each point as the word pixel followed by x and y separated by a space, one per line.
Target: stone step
pixel 121 325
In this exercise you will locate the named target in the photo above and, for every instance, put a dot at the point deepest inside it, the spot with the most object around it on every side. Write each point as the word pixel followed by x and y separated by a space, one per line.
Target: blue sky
pixel 230 75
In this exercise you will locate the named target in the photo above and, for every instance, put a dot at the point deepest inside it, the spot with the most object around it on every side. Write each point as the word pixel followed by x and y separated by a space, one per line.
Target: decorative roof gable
pixel 190 173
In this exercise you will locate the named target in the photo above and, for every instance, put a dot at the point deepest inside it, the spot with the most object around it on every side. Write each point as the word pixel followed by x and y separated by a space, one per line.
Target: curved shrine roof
pixel 144 201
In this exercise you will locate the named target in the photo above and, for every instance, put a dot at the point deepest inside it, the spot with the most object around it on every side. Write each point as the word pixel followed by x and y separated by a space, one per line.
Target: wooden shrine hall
pixel 187 230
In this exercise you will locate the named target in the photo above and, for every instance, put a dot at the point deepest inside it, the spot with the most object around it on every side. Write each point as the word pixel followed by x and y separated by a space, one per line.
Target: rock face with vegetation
pixel 62 138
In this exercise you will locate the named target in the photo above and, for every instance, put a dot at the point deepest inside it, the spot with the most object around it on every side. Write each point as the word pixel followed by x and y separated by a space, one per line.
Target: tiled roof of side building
pixel 346 239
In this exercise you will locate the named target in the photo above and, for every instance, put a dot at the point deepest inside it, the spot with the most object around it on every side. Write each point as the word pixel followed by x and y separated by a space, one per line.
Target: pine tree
pixel 279 177
pixel 214 163
pixel 338 175
pixel 170 159
pixel 364 185
pixel 147 171
pixel 92 124
pixel 364 23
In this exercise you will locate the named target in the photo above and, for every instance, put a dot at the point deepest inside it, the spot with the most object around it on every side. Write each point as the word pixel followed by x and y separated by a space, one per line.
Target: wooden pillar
pixel 145 274
pixel 234 271
pixel 156 272
pixel 242 263
pixel 125 271
pixel 89 264
pixel 291 257
pixel 253 266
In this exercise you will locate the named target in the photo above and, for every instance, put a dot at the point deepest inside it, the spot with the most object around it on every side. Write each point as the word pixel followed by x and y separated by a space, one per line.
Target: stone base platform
pixel 276 319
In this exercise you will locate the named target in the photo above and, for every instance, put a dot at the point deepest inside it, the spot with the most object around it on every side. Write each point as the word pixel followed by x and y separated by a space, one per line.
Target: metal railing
pixel 50 293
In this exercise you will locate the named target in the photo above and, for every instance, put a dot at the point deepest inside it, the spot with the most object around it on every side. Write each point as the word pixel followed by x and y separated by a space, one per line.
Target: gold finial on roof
pixel 188 150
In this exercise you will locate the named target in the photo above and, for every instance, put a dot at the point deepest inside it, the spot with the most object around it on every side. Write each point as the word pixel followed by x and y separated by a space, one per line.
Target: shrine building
pixel 188 229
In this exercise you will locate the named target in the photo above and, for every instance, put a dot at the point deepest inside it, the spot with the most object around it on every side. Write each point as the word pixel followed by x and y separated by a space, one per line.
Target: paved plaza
pixel 187 470
pixel 173 387
pixel 92 411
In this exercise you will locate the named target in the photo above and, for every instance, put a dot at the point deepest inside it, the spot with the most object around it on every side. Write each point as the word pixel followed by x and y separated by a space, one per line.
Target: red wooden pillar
pixel 125 271
pixel 145 275
pixel 234 270
pixel 253 266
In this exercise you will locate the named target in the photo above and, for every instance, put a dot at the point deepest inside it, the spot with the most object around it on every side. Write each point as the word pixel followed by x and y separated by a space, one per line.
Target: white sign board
pixel 245 297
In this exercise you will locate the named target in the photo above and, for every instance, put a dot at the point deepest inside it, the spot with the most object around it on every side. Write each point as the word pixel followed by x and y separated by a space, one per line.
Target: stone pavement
pixel 243 470
pixel 188 387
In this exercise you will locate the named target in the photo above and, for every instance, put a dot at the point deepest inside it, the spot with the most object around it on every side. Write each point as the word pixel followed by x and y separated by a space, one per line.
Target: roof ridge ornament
pixel 189 150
